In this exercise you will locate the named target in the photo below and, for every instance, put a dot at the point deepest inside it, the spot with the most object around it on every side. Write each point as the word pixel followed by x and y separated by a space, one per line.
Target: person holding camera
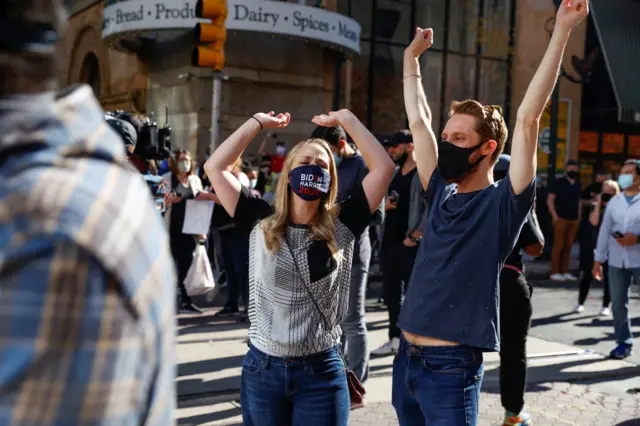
pixel 181 185
pixel 301 256
pixel 406 213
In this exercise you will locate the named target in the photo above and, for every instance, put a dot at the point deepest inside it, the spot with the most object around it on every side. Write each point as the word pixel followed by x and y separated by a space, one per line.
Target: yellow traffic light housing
pixel 214 35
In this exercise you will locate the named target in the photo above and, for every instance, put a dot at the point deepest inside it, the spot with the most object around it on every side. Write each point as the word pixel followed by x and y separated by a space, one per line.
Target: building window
pixel 91 73
pixel 469 58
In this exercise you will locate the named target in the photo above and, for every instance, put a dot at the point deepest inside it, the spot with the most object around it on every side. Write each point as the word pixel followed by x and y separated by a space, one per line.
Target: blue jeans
pixel 437 385
pixel 619 283
pixel 354 326
pixel 309 391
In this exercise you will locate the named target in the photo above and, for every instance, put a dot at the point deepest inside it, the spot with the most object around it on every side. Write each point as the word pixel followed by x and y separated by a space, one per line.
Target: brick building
pixel 484 49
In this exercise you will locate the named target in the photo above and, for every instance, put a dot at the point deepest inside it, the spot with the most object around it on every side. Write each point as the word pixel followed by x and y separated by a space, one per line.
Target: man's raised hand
pixel 422 41
pixel 571 13
pixel 273 121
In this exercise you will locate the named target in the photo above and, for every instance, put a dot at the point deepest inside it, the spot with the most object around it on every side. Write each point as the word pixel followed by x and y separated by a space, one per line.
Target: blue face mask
pixel 310 182
pixel 337 159
pixel 625 181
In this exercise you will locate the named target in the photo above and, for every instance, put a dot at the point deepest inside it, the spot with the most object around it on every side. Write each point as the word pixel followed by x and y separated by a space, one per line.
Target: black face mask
pixel 606 197
pixel 453 161
pixel 572 174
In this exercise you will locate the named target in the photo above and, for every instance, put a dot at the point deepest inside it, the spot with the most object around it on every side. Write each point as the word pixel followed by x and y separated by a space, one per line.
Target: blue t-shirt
pixel 453 291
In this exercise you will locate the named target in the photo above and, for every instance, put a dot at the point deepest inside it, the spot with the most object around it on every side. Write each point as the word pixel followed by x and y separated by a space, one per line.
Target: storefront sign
pixel 286 19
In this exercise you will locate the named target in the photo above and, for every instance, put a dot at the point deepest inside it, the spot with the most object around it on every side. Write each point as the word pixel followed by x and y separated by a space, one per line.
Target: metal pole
pixel 215 112
pixel 553 137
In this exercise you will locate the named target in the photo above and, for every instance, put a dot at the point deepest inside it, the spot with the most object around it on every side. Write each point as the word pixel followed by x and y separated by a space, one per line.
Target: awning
pixel 618 29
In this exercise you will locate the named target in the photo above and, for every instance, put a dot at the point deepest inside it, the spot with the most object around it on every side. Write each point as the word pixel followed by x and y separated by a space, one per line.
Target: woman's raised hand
pixel 273 121
pixel 333 118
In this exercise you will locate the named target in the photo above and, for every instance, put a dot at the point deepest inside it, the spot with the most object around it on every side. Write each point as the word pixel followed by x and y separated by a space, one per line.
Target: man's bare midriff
pixel 414 339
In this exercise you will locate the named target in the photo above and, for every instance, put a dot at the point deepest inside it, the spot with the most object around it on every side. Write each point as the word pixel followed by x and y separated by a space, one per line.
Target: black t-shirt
pixel 567 200
pixel 397 220
pixel 528 236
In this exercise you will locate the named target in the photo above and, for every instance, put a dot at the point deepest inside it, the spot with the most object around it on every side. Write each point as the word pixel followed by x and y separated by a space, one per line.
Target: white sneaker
pixel 579 309
pixel 605 311
pixel 389 348
pixel 570 277
pixel 557 277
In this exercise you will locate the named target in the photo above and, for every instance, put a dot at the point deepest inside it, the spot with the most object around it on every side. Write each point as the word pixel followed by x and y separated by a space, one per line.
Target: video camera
pixel 150 141
pixel 143 138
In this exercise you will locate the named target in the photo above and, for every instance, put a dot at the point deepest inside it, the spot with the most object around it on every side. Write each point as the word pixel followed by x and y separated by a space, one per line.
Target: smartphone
pixel 394 196
pixel 618 234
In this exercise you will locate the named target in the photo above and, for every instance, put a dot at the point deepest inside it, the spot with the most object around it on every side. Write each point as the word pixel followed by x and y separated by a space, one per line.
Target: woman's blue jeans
pixel 309 391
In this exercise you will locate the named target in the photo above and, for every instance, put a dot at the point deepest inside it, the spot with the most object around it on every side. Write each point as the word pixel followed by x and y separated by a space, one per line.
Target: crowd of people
pixel 94 273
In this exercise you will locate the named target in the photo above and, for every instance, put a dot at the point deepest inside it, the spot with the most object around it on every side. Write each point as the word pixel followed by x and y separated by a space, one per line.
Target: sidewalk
pixel 568 385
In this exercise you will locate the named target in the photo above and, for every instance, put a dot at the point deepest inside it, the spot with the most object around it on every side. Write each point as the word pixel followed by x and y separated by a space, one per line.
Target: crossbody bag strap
pixel 304 282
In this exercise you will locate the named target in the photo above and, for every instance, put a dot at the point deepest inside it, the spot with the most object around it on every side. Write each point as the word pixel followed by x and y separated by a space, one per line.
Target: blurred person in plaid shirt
pixel 87 283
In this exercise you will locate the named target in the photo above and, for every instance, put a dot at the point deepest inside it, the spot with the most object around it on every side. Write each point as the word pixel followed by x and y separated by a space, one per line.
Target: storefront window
pixel 492 87
pixel 430 14
pixel 431 66
pixel 463 25
pixel 460 79
pixel 496 24
pixel 394 31
pixel 360 83
pixel 394 21
pixel 388 105
pixel 634 146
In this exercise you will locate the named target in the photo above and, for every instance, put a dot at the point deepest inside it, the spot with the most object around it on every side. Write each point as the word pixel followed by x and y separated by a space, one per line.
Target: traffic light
pixel 212 36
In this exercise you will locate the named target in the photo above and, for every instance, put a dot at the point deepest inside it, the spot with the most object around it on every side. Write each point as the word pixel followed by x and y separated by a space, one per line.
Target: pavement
pixel 570 382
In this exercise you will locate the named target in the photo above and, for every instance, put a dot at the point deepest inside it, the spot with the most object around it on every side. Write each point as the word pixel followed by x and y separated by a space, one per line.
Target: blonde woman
pixel 610 189
pixel 300 268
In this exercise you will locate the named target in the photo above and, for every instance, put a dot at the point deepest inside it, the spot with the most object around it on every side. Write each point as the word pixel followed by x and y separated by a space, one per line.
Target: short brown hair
pixel 491 125
pixel 31 72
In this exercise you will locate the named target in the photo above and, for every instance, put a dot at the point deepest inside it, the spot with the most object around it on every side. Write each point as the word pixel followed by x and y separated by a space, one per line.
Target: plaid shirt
pixel 87 282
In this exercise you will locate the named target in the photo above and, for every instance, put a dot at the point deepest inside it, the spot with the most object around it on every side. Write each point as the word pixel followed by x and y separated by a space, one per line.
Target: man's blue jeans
pixel 619 284
pixel 309 391
pixel 437 385
pixel 354 326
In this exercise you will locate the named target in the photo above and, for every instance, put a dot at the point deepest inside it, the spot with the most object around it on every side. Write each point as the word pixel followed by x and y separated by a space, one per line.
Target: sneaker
pixel 227 311
pixel 621 351
pixel 579 309
pixel 557 277
pixel 190 307
pixel 389 348
pixel 513 419
pixel 605 311
pixel 570 277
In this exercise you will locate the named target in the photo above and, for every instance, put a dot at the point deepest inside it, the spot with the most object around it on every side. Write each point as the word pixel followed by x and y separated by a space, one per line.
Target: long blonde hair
pixel 323 227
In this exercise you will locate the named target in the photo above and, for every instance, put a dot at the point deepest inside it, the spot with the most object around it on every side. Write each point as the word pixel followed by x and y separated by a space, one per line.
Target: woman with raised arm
pixel 299 274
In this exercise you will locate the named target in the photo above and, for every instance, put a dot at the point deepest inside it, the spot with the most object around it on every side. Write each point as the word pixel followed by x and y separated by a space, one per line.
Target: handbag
pixel 356 389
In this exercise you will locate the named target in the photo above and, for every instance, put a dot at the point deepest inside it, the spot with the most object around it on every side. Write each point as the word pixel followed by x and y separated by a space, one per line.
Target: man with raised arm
pixel 450 313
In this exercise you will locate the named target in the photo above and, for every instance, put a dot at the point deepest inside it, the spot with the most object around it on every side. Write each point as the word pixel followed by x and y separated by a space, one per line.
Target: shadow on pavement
pixel 560 318
pixel 541 374
pixel 211 417
pixel 209 365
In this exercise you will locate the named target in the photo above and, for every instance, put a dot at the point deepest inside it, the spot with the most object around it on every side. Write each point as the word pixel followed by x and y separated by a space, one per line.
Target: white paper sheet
pixel 197 217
